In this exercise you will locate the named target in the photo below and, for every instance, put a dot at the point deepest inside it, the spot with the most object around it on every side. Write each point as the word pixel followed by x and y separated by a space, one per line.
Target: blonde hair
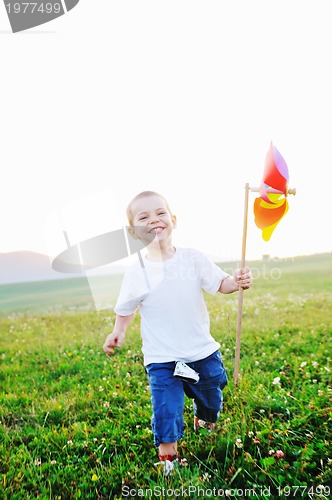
pixel 143 194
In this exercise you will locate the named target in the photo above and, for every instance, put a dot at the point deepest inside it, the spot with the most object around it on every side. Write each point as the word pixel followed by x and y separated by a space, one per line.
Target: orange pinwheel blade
pixel 267 216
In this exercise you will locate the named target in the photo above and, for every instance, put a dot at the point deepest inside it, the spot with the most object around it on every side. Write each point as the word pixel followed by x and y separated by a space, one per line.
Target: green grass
pixel 56 295
pixel 76 424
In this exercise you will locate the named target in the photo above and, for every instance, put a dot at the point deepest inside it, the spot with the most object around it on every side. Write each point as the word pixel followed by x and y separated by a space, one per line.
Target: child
pixel 167 287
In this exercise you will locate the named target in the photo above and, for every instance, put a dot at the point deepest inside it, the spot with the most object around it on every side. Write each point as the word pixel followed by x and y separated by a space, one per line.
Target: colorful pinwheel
pixel 272 204
pixel 269 209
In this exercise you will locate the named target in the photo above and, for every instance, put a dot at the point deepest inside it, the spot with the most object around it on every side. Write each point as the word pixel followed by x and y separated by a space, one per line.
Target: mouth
pixel 157 230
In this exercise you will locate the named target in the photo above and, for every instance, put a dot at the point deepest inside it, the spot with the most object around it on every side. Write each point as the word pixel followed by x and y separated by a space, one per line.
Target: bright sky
pixel 182 97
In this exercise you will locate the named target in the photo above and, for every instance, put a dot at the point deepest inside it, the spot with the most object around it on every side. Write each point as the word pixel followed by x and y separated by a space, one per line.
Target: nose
pixel 153 220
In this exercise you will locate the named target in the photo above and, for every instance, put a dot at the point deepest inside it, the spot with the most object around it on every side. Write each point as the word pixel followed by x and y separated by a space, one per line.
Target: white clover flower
pixel 303 364
pixel 276 381
pixel 239 443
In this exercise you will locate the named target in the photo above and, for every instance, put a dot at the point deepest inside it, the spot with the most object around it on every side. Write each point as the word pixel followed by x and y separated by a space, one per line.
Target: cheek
pixel 143 236
pixel 139 231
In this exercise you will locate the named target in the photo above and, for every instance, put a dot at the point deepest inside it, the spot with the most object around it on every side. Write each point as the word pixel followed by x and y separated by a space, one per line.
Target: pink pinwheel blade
pixel 280 164
pixel 272 176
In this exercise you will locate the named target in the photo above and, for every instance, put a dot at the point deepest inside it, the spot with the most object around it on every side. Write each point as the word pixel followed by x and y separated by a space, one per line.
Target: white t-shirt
pixel 175 324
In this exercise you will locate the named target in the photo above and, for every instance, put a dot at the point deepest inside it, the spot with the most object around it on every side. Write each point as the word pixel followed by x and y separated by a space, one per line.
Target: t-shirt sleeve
pixel 210 274
pixel 131 294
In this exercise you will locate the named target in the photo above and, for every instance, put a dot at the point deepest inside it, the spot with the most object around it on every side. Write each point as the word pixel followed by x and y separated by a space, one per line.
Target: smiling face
pixel 150 216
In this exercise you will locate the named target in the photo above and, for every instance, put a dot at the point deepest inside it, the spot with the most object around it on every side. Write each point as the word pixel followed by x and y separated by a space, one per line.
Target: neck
pixel 160 252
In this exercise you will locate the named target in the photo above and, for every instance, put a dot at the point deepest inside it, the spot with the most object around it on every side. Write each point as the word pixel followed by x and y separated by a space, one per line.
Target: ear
pixel 174 221
pixel 132 232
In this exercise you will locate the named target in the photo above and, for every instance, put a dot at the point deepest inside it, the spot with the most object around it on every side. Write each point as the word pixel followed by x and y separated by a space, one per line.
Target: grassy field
pixel 76 424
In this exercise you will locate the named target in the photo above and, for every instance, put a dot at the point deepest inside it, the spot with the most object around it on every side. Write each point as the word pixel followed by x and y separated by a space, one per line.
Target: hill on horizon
pixel 24 266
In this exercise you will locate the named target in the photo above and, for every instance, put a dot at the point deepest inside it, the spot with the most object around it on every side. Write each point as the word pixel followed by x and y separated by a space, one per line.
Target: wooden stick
pixel 271 190
pixel 240 304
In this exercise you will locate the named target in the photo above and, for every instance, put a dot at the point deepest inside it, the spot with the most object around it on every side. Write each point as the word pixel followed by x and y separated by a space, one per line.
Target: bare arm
pixel 241 279
pixel 116 338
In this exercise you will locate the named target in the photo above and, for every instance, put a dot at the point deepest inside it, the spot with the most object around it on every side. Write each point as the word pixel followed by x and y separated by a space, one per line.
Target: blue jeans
pixel 167 395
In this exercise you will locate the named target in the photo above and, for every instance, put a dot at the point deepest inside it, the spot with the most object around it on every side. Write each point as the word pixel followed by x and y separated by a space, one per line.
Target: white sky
pixel 182 97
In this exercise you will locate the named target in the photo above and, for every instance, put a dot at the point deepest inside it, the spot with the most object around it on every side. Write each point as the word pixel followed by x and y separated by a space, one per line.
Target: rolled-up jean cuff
pixel 169 430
